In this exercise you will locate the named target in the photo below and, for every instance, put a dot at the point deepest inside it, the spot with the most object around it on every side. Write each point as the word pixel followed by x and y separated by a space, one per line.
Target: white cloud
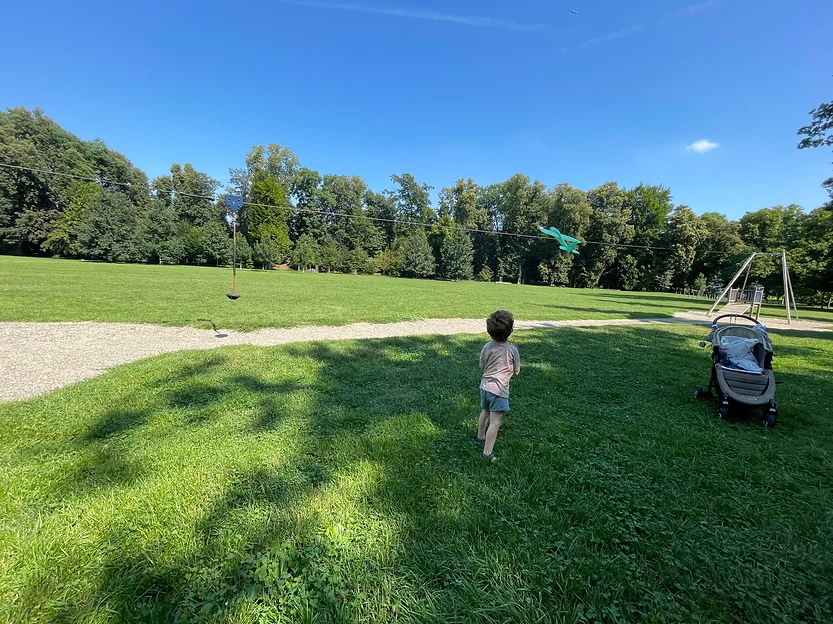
pixel 468 20
pixel 702 146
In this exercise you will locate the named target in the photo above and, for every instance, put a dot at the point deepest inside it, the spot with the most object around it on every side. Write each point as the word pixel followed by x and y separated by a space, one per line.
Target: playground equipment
pixel 743 300
pixel 234 204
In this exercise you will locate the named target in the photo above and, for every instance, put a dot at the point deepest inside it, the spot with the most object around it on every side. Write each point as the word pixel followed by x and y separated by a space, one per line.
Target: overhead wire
pixel 407 222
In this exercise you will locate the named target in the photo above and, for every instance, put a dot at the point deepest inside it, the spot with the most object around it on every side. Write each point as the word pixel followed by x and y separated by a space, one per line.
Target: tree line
pixel 104 208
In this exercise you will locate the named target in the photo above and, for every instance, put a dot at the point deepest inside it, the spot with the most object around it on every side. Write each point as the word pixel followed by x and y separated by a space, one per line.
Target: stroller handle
pixel 740 316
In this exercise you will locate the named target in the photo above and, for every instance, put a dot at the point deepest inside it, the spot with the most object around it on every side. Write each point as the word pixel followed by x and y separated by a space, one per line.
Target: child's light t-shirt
pixel 498 361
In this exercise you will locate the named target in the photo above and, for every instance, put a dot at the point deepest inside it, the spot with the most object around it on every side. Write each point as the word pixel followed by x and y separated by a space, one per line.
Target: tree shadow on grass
pixel 634 298
pixel 605 502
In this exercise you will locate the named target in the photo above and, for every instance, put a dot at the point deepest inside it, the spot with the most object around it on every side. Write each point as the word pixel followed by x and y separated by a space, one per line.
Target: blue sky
pixel 445 89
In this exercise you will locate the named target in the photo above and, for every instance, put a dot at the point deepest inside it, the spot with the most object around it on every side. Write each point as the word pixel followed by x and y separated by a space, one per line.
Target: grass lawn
pixel 38 289
pixel 35 289
pixel 337 482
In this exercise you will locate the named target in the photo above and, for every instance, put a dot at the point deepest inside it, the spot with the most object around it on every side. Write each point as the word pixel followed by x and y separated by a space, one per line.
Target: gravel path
pixel 39 357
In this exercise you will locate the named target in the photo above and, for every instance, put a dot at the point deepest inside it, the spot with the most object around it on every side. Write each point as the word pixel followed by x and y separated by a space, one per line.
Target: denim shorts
pixel 493 402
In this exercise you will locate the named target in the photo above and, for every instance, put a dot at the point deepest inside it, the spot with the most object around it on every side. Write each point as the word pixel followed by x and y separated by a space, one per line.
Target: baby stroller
pixel 741 369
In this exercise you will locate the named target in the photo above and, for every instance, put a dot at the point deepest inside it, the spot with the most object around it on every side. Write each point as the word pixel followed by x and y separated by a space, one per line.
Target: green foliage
pixel 360 262
pixel 820 133
pixel 334 255
pixel 111 230
pixel 193 244
pixel 268 216
pixel 649 207
pixel 388 262
pixel 305 189
pixel 626 271
pixel 413 199
pixel 266 253
pixel 244 253
pixel 189 194
pixel 306 253
pixel 684 235
pixel 485 274
pixel 416 255
pixel 462 203
pixel 215 242
pixel 63 238
pixel 610 223
pixel 648 242
pixel 715 286
pixel 32 204
pixel 700 284
pixel 457 256
pixel 771 230
pixel 381 206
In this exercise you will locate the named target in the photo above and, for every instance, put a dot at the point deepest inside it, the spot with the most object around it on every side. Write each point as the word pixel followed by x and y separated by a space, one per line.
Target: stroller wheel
pixel 723 412
pixel 699 391
pixel 771 417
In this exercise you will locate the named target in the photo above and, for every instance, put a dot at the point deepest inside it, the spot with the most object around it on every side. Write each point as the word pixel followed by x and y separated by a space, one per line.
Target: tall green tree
pixel 112 230
pixel 32 202
pixel 722 249
pixel 266 253
pixel 305 188
pixel 305 254
pixel 771 230
pixel 416 255
pixel 457 256
pixel 190 194
pixel 268 215
pixel 166 233
pixel 819 133
pixel 570 213
pixel 812 260
pixel 685 235
pixel 413 199
pixel 520 208
pixel 650 207
pixel 215 241
pixel 610 223
pixel 63 234
pixel 334 255
pixel 382 208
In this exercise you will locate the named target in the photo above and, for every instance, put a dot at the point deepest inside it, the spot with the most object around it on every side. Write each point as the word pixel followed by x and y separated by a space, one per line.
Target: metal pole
pixel 234 256
pixel 792 292
pixel 786 286
pixel 234 204
pixel 746 279
pixel 729 285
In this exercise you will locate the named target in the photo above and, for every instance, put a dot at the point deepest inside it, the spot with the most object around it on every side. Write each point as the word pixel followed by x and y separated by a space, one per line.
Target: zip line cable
pixel 349 216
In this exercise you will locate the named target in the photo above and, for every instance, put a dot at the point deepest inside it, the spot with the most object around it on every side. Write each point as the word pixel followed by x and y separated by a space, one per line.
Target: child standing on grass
pixel 499 361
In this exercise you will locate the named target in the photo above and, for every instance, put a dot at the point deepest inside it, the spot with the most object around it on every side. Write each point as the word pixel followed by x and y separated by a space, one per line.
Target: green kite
pixel 567 243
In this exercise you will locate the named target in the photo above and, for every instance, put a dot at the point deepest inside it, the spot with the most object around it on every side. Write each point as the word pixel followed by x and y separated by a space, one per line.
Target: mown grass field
pixel 337 482
pixel 64 290
pixel 37 289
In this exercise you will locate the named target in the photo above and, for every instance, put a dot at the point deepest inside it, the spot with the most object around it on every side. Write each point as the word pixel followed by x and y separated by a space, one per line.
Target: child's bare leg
pixel 481 424
pixel 495 420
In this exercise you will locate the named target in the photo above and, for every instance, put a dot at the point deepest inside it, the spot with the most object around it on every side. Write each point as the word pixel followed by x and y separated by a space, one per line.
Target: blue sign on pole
pixel 234 202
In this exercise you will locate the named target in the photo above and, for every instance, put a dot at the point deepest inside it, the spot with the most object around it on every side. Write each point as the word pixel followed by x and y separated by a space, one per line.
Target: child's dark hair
pixel 500 325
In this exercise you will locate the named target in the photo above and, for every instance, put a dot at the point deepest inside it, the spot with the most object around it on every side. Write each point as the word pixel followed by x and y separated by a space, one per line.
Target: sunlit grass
pixel 338 482
pixel 37 289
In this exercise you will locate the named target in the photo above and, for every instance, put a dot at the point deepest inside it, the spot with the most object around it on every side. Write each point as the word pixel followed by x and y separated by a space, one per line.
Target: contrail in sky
pixel 467 20
pixel 633 30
